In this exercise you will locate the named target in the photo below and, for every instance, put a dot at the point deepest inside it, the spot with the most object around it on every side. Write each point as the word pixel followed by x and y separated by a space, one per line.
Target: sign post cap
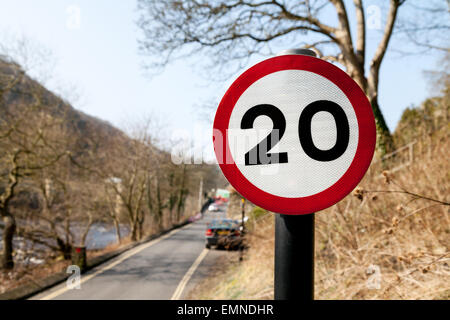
pixel 302 51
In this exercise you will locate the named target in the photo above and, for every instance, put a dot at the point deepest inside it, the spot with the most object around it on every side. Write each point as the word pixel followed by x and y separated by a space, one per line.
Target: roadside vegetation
pixel 389 239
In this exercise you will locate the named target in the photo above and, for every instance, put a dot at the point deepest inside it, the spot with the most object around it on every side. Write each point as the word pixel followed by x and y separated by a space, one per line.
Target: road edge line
pixel 180 288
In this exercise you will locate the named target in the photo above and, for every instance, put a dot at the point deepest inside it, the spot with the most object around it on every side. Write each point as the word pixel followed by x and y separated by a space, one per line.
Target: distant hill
pixel 86 129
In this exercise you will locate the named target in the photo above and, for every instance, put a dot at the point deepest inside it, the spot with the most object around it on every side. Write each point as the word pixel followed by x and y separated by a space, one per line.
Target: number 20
pixel 259 154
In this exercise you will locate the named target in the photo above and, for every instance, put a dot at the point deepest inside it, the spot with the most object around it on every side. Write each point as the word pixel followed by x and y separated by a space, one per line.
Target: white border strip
pixel 179 290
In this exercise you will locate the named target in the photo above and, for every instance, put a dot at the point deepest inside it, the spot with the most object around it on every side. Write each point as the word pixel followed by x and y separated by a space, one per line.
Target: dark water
pixel 99 236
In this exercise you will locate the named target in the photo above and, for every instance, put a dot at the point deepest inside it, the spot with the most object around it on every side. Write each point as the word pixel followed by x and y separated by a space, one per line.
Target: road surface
pixel 165 268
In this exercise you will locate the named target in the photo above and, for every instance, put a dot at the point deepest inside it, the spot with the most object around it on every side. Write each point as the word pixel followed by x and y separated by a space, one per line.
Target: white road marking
pixel 114 263
pixel 188 275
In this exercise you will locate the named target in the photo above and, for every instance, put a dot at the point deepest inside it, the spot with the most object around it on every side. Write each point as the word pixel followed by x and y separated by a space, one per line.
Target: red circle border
pixel 349 180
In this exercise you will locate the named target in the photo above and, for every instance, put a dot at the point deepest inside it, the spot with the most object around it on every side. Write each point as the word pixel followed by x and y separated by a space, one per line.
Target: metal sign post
pixel 294 257
pixel 241 253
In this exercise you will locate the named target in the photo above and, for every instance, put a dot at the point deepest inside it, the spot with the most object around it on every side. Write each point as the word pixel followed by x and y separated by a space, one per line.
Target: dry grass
pixel 404 237
pixel 109 248
pixel 21 274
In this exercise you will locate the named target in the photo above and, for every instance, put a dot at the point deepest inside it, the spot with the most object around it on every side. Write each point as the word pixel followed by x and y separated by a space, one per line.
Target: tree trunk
pixel 65 248
pixel 181 194
pixel 140 218
pixel 134 231
pixel 117 227
pixel 8 233
pixel 385 142
pixel 140 231
pixel 159 210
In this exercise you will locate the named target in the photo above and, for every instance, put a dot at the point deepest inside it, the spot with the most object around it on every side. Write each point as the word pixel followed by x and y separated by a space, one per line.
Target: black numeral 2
pixel 259 154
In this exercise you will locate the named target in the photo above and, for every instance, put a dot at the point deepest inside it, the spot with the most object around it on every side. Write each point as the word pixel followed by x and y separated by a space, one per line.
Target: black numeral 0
pixel 259 154
pixel 342 130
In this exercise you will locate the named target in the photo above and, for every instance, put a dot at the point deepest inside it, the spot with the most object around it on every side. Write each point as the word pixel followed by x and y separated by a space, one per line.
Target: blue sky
pixel 100 58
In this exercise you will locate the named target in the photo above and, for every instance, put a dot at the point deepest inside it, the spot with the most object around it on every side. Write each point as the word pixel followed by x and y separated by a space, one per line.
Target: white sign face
pixel 291 91
pixel 294 134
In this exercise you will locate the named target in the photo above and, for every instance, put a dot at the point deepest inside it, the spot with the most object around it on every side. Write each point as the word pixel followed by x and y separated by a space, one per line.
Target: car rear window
pixel 221 224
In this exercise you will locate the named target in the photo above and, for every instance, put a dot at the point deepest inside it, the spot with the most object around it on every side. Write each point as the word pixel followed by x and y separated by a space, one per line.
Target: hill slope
pixel 17 91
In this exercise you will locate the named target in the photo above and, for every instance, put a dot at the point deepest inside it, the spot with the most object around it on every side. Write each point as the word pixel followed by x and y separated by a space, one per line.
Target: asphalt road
pixel 165 268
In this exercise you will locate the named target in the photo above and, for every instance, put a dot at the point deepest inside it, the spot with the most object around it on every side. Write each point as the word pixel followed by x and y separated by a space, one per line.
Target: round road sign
pixel 294 134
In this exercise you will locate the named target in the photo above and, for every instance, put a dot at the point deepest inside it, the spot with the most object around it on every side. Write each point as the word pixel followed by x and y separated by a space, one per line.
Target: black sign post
pixel 241 253
pixel 294 257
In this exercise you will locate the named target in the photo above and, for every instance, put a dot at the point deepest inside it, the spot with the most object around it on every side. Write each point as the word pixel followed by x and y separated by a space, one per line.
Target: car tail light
pixel 209 232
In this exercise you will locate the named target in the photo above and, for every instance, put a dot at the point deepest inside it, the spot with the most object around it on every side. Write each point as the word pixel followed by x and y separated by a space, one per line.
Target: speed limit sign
pixel 294 134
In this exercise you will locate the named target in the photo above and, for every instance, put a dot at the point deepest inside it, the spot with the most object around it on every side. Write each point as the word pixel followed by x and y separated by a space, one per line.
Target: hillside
pixel 86 129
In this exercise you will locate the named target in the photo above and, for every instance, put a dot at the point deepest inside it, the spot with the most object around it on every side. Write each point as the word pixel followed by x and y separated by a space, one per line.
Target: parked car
pixel 223 233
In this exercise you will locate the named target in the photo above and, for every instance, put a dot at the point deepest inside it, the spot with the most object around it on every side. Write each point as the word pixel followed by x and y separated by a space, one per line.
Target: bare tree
pixel 229 31
pixel 114 202
pixel 24 142
pixel 34 140
pixel 126 173
pixel 71 202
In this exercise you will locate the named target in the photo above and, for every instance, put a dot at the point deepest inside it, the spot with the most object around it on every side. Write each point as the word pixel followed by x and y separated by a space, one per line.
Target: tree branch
pixel 322 28
pixel 382 46
pixel 13 180
pixel 343 33
pixel 361 32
